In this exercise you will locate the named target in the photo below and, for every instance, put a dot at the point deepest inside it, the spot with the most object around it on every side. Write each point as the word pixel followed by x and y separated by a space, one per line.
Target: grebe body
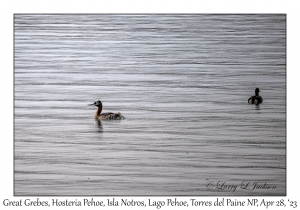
pixel 257 99
pixel 107 115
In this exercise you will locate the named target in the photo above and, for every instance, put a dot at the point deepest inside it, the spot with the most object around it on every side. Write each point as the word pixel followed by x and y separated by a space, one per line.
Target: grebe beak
pixel 90 104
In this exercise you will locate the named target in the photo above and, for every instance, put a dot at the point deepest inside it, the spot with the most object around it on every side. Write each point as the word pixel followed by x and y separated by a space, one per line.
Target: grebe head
pixel 257 91
pixel 97 103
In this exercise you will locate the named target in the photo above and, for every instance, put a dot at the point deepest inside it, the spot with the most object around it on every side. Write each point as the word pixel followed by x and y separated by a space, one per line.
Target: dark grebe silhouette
pixel 257 99
pixel 107 115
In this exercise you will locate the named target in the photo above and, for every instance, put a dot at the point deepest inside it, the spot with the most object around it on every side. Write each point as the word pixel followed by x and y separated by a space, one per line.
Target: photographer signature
pixel 245 185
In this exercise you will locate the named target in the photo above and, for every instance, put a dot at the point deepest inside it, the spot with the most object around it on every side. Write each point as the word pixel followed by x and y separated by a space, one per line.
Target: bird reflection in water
pixel 98 123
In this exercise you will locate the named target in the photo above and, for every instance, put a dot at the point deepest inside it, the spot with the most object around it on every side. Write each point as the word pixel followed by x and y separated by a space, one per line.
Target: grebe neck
pixel 99 110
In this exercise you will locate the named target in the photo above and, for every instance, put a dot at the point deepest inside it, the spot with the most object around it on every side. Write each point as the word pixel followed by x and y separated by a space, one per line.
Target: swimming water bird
pixel 107 115
pixel 257 99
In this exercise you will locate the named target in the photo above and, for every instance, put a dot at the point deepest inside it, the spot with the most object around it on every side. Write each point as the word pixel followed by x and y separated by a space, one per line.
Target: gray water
pixel 181 81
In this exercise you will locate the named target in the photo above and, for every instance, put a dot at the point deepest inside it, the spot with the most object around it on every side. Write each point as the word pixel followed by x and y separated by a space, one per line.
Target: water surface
pixel 181 81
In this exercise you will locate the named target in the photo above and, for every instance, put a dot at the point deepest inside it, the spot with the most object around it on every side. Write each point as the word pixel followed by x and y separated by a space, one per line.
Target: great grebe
pixel 257 99
pixel 107 115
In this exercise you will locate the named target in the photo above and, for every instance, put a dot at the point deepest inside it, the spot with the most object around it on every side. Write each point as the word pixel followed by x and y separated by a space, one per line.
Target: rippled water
pixel 181 81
